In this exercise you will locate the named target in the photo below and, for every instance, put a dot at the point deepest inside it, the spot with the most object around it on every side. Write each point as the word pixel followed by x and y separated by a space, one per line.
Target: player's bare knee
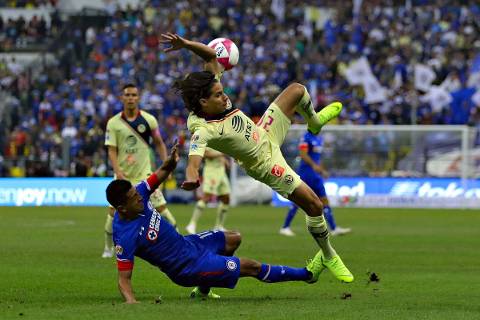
pixel 161 208
pixel 249 267
pixel 296 89
pixel 237 239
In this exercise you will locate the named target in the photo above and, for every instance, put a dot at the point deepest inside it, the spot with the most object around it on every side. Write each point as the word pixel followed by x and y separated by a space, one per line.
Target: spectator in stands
pixel 393 38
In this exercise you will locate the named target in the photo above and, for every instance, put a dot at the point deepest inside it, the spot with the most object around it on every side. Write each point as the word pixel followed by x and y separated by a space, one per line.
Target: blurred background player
pixel 215 122
pixel 215 184
pixel 312 172
pixel 128 137
pixel 204 260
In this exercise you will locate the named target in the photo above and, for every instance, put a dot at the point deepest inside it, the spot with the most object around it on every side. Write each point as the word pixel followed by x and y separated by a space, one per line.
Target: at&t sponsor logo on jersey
pixel 248 130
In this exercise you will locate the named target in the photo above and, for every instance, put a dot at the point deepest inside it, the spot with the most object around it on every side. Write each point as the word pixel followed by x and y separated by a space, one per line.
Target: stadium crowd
pixel 70 104
pixel 28 4
pixel 19 33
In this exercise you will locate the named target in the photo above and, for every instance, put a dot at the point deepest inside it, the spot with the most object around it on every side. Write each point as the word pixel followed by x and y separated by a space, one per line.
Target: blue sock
pixel 271 274
pixel 291 213
pixel 327 212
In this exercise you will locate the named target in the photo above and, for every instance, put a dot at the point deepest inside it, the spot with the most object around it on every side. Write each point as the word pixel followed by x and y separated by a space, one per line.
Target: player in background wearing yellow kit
pixel 215 122
pixel 215 183
pixel 128 137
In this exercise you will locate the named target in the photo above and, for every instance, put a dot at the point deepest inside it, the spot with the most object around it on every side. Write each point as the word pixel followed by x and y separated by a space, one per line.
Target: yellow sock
pixel 169 216
pixel 306 109
pixel 108 232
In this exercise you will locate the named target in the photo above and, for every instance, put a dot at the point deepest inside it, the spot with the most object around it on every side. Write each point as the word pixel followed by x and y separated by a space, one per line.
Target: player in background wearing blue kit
pixel 312 172
pixel 203 260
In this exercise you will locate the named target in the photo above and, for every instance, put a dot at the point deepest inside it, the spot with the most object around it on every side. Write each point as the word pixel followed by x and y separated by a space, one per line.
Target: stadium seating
pixel 277 45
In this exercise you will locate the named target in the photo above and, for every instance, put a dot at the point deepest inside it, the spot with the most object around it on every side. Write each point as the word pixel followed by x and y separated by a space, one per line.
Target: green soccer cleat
pixel 326 114
pixel 339 270
pixel 197 294
pixel 315 267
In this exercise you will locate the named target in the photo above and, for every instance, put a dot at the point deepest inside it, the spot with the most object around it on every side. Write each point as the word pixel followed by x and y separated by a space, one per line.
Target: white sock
pixel 197 212
pixel 108 232
pixel 169 216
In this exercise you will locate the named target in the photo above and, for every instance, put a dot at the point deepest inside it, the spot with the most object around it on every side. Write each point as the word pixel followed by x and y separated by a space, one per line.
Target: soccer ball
pixel 227 52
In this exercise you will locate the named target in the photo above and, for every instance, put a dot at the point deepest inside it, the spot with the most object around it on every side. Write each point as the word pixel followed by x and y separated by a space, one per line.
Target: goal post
pixel 385 165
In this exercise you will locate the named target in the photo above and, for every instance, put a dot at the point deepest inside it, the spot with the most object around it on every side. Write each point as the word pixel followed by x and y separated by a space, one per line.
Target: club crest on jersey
pixel 141 128
pixel 118 249
pixel 152 235
pixel 231 265
pixel 277 170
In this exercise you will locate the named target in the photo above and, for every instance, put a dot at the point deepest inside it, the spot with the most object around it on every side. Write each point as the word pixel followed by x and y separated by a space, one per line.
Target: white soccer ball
pixel 227 52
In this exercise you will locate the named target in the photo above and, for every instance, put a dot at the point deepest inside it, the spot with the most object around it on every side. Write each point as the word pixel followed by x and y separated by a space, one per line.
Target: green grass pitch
pixel 428 262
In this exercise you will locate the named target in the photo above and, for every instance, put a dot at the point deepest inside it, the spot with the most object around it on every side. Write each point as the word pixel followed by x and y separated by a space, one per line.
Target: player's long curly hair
pixel 193 87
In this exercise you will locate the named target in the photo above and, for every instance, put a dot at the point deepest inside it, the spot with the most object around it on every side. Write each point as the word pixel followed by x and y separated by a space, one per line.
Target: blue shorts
pixel 211 269
pixel 315 182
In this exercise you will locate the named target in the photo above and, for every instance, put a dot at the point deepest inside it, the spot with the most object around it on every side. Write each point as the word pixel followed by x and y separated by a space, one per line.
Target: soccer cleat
pixel 219 228
pixel 287 232
pixel 315 267
pixel 326 114
pixel 339 270
pixel 197 294
pixel 191 228
pixel 339 231
pixel 107 253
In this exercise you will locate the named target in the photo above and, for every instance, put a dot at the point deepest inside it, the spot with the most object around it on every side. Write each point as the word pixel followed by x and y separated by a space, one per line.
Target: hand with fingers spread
pixel 174 40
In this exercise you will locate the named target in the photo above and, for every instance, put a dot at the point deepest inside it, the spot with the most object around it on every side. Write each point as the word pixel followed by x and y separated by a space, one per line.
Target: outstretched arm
pixel 203 51
pixel 160 145
pixel 125 286
pixel 168 165
pixel 192 181
pixel 113 156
